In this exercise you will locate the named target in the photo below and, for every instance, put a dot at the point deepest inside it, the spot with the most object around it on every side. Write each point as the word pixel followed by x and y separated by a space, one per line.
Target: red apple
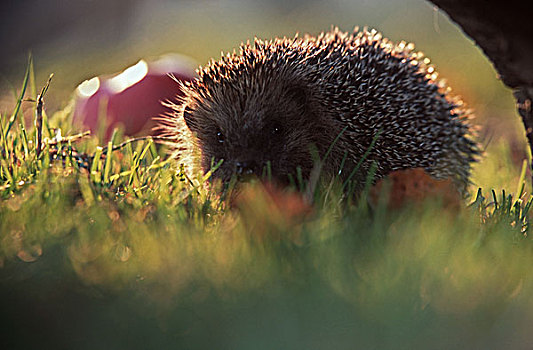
pixel 133 97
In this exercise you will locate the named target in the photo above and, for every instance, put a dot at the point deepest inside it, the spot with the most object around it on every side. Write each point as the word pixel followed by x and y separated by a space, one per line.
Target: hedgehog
pixel 342 104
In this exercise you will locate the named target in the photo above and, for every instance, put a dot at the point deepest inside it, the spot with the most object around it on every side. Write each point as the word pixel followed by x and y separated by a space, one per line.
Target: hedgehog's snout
pixel 244 168
pixel 247 169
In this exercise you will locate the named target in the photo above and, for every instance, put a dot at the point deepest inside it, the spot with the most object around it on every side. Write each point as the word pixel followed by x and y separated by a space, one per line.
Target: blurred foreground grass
pixel 119 249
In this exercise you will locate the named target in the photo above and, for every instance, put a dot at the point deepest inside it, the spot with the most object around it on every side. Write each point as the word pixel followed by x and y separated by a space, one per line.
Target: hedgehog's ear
pixel 298 94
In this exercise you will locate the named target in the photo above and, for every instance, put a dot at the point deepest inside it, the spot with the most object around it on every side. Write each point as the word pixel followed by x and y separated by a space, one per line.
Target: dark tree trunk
pixel 504 31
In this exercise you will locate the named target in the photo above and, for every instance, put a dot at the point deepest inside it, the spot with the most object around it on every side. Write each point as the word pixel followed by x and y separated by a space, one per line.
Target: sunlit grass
pixel 84 220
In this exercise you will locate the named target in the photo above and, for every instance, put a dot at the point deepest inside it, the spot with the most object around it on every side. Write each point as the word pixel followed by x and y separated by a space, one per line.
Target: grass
pixel 118 248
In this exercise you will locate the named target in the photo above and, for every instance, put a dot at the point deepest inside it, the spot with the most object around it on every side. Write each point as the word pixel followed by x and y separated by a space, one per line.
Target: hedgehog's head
pixel 260 120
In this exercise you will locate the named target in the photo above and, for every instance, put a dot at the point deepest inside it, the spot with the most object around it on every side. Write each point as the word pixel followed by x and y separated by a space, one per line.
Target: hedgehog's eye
pixel 276 129
pixel 220 137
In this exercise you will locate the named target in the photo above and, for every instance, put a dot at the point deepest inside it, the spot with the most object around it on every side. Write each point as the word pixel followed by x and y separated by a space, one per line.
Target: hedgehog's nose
pixel 245 168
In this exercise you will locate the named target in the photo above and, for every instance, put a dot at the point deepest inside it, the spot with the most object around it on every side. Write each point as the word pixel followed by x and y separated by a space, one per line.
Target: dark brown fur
pixel 282 103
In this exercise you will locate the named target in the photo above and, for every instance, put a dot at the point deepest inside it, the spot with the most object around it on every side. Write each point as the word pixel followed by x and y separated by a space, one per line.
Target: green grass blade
pixel 300 179
pixel 94 166
pixel 363 158
pixel 109 154
pixel 33 85
pixel 328 152
pixel 3 140
pixel 6 171
pixel 212 170
pixel 522 180
pixel 25 143
pixel 21 96
pixel 145 149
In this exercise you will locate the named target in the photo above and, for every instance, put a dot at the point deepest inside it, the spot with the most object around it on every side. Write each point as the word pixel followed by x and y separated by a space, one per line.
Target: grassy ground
pixel 119 249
